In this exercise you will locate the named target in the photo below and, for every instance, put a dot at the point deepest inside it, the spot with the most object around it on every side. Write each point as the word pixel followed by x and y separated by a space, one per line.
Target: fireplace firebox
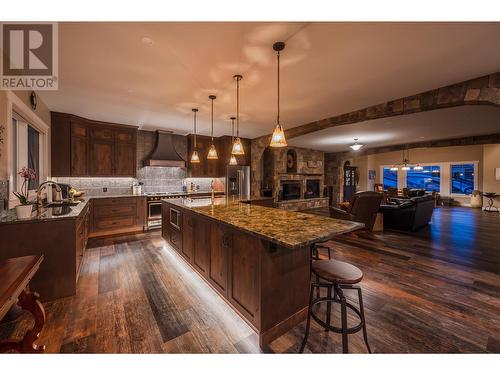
pixel 312 189
pixel 290 190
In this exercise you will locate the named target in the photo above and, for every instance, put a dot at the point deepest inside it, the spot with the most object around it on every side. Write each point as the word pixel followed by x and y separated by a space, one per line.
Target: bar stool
pixel 316 247
pixel 336 276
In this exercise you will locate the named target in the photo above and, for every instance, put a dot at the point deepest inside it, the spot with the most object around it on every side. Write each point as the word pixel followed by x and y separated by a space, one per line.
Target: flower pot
pixel 23 211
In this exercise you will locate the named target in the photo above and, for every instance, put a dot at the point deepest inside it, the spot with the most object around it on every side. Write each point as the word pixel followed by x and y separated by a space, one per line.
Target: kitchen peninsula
pixel 256 258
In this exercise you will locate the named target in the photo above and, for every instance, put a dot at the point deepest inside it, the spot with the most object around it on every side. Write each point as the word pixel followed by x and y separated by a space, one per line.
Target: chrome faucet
pixel 39 193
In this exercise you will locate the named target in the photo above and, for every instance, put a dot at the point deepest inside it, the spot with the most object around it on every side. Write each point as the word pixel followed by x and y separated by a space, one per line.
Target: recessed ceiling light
pixel 148 41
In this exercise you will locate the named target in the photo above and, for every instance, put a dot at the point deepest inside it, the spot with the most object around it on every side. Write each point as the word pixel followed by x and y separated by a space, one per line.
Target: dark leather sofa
pixel 408 214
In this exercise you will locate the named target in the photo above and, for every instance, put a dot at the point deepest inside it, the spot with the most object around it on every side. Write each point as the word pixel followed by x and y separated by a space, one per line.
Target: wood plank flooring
pixel 434 291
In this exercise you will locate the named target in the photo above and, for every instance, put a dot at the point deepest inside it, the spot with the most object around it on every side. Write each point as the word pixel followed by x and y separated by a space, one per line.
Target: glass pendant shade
pixel 233 160
pixel 195 157
pixel 418 167
pixel 405 168
pixel 394 168
pixel 212 153
pixel 238 147
pixel 278 138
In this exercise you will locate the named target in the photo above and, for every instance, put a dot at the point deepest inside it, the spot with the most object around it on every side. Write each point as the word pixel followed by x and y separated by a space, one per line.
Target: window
pixel 34 155
pixel 390 178
pixel 26 142
pixel 428 178
pixel 462 178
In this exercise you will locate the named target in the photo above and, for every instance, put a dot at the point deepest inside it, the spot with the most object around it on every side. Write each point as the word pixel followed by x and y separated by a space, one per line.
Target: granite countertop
pixel 287 228
pixel 71 212
pixel 47 213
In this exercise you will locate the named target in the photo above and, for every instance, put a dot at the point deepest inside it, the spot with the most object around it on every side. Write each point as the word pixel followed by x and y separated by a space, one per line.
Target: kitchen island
pixel 256 258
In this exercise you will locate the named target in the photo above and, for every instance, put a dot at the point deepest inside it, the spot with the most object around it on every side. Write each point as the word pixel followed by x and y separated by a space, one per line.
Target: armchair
pixel 363 208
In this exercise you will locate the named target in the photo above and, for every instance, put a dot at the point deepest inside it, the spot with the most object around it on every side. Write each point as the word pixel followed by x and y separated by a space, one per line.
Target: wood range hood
pixel 164 153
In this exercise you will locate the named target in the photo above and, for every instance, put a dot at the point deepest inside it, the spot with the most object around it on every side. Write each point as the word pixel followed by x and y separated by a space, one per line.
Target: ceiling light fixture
pixel 232 159
pixel 195 158
pixel 212 152
pixel 356 146
pixel 237 145
pixel 418 167
pixel 278 138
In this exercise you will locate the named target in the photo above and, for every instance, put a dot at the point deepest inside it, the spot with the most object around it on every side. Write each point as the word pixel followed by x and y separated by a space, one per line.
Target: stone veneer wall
pixel 269 168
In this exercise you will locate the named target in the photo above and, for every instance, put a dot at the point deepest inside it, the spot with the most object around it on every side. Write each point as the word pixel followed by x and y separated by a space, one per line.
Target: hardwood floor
pixel 435 291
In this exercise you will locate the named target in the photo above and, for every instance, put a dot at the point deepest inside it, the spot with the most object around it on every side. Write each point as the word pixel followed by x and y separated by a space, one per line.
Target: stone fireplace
pixel 312 189
pixel 294 177
pixel 290 190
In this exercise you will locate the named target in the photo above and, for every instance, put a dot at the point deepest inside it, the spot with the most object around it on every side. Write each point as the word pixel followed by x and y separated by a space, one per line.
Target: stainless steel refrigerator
pixel 237 181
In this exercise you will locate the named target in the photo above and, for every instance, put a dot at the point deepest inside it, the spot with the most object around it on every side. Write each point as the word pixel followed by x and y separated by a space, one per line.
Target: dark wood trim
pixel 452 142
pixel 94 122
pixel 479 91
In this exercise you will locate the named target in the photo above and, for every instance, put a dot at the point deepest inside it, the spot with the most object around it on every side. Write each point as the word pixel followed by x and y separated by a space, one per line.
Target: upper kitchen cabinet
pixel 205 168
pixel 214 168
pixel 81 147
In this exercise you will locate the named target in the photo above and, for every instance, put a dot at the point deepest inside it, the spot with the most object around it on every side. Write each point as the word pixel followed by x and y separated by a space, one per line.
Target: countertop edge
pixel 267 238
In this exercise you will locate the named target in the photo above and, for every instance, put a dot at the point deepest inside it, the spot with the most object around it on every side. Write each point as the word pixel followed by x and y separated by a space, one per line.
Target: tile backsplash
pixel 154 179
pixel 161 178
pixel 94 185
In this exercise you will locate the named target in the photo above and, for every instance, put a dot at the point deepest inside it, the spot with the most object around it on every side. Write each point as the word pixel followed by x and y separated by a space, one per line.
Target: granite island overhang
pixel 256 258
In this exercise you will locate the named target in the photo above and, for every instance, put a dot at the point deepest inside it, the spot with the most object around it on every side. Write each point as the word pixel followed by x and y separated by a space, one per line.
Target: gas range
pixel 156 196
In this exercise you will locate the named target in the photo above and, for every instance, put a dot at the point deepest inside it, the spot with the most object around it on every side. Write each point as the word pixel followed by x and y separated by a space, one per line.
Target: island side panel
pixel 285 282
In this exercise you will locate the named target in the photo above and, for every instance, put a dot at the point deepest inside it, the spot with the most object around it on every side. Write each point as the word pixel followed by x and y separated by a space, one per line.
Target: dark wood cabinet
pixel 117 215
pixel 60 151
pixel 125 160
pixel 101 158
pixel 187 236
pixel 245 275
pixel 220 247
pixel 201 255
pixel 214 168
pixel 267 284
pixel 82 147
pixel 79 157
pixel 79 149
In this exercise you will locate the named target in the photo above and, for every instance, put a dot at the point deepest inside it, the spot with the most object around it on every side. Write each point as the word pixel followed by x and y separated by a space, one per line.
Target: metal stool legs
pixel 337 297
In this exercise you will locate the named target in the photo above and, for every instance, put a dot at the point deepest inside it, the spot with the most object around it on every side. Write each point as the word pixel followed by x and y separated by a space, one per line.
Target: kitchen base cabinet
pixel 201 237
pixel 118 215
pixel 265 283
pixel 61 242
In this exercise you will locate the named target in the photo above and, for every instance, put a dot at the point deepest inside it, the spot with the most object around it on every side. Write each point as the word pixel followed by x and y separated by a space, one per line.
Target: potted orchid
pixel 24 209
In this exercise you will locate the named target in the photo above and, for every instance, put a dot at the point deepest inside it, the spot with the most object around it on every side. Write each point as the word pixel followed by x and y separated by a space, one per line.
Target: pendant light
pixel 212 152
pixel 406 161
pixel 278 138
pixel 195 158
pixel 356 146
pixel 237 145
pixel 232 160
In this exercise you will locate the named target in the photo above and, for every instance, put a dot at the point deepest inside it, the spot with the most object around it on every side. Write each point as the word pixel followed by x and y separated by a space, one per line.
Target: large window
pixel 462 178
pixel 26 151
pixel 390 178
pixel 429 178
